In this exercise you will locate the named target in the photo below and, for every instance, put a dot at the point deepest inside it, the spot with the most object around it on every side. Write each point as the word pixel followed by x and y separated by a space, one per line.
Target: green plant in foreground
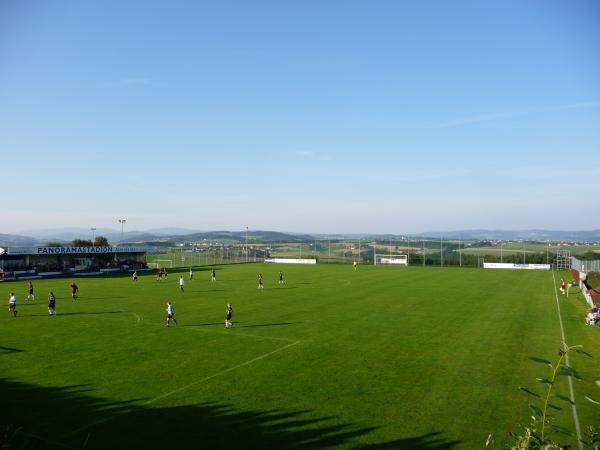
pixel 534 436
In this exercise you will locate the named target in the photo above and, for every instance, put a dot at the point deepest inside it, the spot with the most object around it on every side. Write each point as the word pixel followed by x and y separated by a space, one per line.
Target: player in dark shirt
pixel 260 281
pixel 30 295
pixel 281 279
pixel 51 304
pixel 74 289
pixel 213 276
pixel 228 315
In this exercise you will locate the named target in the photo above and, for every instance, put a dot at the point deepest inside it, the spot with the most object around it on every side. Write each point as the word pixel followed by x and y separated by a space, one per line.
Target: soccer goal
pixel 152 265
pixel 391 259
pixel 160 263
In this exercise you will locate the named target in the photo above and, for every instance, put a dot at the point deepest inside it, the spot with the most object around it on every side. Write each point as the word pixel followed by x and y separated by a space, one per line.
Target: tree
pixel 101 241
pixel 81 243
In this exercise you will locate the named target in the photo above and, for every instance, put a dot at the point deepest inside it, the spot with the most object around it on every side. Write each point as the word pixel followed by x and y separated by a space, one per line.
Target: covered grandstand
pixel 40 262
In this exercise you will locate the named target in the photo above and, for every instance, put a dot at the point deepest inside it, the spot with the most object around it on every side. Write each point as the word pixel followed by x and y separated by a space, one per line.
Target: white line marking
pixel 571 393
pixel 202 380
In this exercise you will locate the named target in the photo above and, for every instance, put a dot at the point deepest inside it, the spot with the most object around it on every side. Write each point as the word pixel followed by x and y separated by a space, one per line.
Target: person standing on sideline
pixel 191 274
pixel 171 314
pixel 74 289
pixel 30 295
pixel 228 315
pixel 51 304
pixel 213 276
pixel 181 282
pixel 12 305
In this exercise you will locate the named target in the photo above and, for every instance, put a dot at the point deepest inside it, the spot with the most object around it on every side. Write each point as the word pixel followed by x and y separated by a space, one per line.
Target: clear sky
pixel 315 116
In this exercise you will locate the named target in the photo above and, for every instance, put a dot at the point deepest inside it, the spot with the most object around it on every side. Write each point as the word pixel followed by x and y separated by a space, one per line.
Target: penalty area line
pixel 187 386
pixel 202 380
pixel 569 378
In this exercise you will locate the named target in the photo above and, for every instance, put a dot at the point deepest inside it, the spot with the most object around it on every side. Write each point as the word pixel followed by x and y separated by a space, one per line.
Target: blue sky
pixel 301 116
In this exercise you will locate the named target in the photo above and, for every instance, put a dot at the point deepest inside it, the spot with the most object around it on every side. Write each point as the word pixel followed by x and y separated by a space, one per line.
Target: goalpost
pixel 401 260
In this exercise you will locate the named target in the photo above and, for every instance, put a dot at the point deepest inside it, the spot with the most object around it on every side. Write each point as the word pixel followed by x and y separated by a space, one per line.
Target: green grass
pixel 378 358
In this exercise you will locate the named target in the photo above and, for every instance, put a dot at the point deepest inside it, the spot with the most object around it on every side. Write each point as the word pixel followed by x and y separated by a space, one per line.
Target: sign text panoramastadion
pixel 72 250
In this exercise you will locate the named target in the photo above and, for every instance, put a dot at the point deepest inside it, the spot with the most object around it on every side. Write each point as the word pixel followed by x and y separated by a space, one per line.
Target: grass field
pixel 378 358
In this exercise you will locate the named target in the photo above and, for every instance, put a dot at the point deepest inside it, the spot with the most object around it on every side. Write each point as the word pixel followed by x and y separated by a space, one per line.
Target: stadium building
pixel 39 262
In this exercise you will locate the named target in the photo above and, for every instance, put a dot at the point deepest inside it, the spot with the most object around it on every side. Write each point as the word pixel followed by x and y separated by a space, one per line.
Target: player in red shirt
pixel 74 289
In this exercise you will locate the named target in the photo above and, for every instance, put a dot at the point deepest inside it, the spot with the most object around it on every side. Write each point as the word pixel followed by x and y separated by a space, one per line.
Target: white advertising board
pixel 290 261
pixel 516 266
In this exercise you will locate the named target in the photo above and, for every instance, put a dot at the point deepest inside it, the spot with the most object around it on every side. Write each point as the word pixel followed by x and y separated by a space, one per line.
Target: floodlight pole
pixel 93 235
pixel 122 222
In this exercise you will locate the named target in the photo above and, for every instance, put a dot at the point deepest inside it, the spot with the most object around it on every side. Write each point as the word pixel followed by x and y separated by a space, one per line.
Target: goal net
pixel 391 259
pixel 160 263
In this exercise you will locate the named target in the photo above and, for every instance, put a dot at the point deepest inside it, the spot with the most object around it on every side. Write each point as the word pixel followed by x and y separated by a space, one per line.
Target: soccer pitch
pixel 377 358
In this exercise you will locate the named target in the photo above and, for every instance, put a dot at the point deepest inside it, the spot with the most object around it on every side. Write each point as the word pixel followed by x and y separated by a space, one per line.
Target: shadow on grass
pixel 83 313
pixel 36 417
pixel 539 360
pixel 6 350
pixel 268 324
pixel 529 391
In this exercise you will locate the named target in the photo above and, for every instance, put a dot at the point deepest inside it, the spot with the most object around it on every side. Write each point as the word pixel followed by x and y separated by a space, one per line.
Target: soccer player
pixel 563 285
pixel 158 274
pixel 191 274
pixel 260 281
pixel 228 315
pixel 12 305
pixel 213 276
pixel 181 282
pixel 30 296
pixel 74 289
pixel 355 265
pixel 135 276
pixel 165 273
pixel 51 304
pixel 171 314
pixel 281 279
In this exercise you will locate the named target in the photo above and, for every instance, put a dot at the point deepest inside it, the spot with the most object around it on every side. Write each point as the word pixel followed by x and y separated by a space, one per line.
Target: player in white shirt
pixel 181 282
pixel 170 313
pixel 12 305
pixel 134 276
pixel 191 274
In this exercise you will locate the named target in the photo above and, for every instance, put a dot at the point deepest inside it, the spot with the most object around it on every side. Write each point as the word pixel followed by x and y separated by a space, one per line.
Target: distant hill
pixel 15 240
pixel 510 235
pixel 173 236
